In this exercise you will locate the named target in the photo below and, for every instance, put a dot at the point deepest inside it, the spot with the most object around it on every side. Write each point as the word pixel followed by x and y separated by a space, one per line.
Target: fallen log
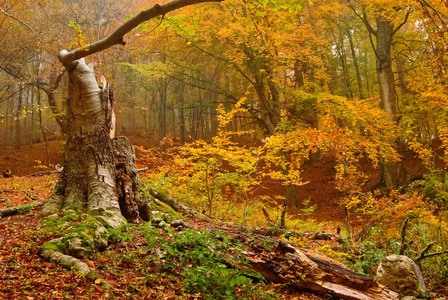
pixel 174 204
pixel 312 271
pixel 167 200
pixel 42 173
pixel 9 211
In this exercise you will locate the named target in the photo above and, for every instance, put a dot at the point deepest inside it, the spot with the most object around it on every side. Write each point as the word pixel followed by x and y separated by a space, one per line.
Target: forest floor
pixel 24 275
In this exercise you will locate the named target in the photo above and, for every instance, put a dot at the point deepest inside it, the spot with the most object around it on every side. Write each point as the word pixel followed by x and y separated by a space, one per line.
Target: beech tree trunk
pixel 95 177
pixel 392 173
pixel 355 64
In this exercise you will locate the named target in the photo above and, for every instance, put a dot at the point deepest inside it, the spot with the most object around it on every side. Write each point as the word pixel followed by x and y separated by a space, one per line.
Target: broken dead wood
pixel 8 173
pixel 424 254
pixel 126 199
pixel 142 170
pixel 9 211
pixel 310 270
pixel 167 200
pixel 268 218
pixel 303 268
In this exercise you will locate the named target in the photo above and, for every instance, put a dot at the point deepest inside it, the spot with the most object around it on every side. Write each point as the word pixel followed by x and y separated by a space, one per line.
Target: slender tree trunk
pixel 162 107
pixel 299 81
pixel 18 120
pixel 270 117
pixel 31 97
pixel 182 112
pixel 343 59
pixel 51 92
pixel 41 125
pixel 356 65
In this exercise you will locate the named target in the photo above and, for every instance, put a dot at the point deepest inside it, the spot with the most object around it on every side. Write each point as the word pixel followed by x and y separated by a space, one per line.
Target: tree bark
pixel 88 180
pixel 393 174
pixel 18 120
pixel 356 65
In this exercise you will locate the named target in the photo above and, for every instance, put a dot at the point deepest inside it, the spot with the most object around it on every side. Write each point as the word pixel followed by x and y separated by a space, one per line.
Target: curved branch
pixel 18 20
pixel 116 37
pixel 402 23
pixel 364 19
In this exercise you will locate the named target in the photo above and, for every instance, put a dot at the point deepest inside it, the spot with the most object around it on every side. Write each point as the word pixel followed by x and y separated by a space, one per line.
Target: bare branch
pixel 18 20
pixel 432 255
pixel 424 251
pixel 116 37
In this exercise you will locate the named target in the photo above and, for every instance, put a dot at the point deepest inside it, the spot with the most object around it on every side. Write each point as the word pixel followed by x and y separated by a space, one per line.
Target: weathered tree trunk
pixel 92 156
pixel 99 175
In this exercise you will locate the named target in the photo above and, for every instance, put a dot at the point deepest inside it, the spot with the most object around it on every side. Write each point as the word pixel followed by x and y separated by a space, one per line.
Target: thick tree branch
pixel 402 23
pixel 117 36
pixel 366 22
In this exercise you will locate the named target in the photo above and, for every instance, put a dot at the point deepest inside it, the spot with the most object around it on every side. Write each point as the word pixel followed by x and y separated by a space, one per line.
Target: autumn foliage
pixel 233 103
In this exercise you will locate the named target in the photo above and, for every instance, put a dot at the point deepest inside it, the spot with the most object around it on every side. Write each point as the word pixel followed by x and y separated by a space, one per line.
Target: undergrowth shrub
pixel 402 223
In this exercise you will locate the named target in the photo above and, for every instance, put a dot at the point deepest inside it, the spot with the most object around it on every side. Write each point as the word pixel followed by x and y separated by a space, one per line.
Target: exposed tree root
pixel 66 261
pixel 72 263
pixel 42 173
pixel 168 200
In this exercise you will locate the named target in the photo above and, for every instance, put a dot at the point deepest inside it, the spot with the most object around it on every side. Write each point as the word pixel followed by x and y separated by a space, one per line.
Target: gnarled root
pixel 70 262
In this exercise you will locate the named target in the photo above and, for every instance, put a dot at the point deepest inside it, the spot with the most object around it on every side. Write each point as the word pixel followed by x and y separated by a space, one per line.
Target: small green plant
pixel 203 262
pixel 216 282
pixel 434 187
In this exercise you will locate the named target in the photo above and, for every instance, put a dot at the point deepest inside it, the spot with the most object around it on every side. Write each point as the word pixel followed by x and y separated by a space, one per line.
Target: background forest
pixel 235 107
